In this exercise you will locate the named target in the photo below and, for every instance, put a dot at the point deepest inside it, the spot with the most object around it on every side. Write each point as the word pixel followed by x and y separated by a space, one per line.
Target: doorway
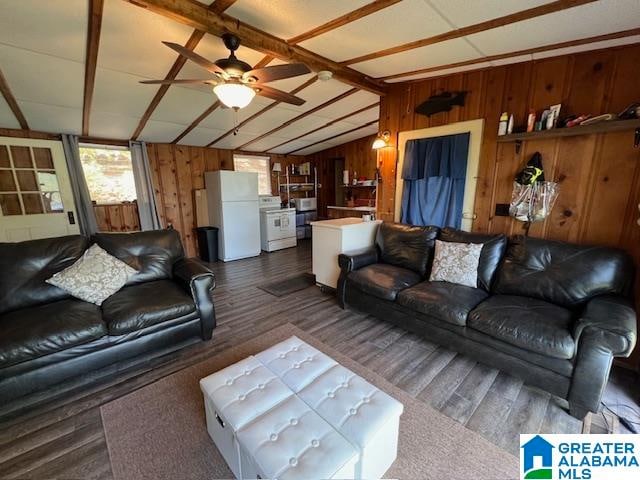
pixel 36 200
pixel 474 128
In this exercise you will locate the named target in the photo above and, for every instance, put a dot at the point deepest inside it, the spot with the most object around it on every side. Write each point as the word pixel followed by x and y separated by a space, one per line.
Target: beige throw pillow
pixel 94 277
pixel 456 263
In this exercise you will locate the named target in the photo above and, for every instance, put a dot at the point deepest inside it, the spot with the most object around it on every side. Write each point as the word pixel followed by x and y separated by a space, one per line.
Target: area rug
pixel 158 432
pixel 280 288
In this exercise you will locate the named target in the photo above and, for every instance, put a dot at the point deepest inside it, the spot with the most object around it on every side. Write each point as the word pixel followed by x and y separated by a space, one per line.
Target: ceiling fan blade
pixel 178 81
pixel 200 60
pixel 278 95
pixel 277 72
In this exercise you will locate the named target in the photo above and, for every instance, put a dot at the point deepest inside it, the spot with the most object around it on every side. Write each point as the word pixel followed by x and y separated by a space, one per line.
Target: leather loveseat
pixel 47 336
pixel 551 313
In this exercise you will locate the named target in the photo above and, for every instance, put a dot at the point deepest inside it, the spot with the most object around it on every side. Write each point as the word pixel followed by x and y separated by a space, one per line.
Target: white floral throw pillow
pixel 94 277
pixel 456 263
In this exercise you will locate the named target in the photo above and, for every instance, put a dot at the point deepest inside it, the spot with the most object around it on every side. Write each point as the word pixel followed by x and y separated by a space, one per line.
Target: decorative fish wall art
pixel 442 102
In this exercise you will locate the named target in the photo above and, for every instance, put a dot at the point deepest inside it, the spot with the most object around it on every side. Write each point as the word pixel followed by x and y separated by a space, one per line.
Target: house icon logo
pixel 537 459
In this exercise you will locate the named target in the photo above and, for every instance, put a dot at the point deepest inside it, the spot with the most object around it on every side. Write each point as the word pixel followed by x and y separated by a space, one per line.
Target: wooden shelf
pixel 602 127
pixel 358 186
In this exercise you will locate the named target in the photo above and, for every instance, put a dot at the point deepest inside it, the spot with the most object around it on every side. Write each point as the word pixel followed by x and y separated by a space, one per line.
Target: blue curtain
pixel 434 172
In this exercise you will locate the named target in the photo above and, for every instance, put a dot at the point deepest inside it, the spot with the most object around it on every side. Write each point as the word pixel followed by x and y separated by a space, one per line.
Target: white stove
pixel 277 224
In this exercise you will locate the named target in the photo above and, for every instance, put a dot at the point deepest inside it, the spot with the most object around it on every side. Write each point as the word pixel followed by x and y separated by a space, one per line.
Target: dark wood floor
pixel 59 434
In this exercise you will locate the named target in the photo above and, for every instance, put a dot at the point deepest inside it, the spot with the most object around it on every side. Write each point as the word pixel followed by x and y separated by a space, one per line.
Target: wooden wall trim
pixel 93 43
pixel 12 102
pixel 528 14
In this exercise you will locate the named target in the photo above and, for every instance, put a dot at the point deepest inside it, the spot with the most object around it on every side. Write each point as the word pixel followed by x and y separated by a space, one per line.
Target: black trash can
pixel 208 243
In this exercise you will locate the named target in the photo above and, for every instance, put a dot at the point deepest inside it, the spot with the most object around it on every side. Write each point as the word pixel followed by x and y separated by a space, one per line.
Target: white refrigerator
pixel 232 200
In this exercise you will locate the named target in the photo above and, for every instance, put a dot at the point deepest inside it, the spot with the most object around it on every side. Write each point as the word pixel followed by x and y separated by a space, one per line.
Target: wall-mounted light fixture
pixel 382 140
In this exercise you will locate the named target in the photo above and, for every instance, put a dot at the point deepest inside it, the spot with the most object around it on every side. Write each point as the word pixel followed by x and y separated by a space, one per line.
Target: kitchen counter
pixel 334 211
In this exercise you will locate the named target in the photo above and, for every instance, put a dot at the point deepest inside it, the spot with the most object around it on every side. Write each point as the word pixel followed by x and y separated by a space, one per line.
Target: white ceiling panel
pixel 268 121
pixel 200 137
pixel 182 105
pixel 130 40
pixel 314 149
pixel 121 93
pixel 451 51
pixel 266 143
pixel 439 73
pixel 401 23
pixel 39 78
pixel 288 147
pixel 290 18
pixel 604 16
pixel 162 132
pixel 462 13
pixel 234 141
pixel 110 125
pixel 591 46
pixel 52 118
pixel 349 104
pixel 7 118
pixel 289 84
pixel 363 117
pixel 52 27
pixel 330 131
pixel 318 93
pixel 363 132
pixel 301 126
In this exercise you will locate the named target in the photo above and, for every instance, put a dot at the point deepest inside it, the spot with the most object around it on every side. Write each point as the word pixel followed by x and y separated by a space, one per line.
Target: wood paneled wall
pixel 358 156
pixel 178 171
pixel 117 217
pixel 599 174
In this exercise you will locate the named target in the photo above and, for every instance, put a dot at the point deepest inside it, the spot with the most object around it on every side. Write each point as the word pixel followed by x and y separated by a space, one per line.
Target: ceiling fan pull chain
pixel 235 121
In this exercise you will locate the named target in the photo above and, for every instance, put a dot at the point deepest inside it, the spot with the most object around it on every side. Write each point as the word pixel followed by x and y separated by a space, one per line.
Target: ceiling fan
pixel 235 82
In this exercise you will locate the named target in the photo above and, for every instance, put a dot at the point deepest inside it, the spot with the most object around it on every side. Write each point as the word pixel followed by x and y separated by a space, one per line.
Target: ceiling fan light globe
pixel 234 95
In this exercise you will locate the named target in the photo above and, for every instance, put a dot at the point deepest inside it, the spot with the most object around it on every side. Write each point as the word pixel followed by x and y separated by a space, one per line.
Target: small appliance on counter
pixel 305 204
pixel 277 224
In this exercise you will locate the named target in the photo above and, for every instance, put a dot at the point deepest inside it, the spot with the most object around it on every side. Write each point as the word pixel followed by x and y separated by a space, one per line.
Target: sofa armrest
pixel 612 318
pixel 199 281
pixel 349 262
pixel 355 260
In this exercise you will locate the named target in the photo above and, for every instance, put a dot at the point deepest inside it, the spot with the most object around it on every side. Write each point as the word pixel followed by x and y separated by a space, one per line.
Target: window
pixel 109 174
pixel 259 165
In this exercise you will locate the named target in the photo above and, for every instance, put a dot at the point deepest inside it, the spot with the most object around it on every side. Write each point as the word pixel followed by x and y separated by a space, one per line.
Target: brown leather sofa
pixel 47 336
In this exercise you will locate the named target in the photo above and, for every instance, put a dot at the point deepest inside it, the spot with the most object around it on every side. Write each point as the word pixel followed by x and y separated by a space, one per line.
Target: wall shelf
pixel 602 127
pixel 358 186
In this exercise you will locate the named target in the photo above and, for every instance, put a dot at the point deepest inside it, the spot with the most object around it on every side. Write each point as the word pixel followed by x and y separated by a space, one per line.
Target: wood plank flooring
pixel 59 434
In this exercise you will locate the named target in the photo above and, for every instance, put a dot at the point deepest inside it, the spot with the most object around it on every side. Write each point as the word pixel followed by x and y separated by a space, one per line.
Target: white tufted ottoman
pixel 367 417
pixel 293 412
pixel 233 397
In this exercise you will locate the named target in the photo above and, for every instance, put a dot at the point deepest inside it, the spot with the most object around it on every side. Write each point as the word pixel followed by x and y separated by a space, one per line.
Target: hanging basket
pixel 534 202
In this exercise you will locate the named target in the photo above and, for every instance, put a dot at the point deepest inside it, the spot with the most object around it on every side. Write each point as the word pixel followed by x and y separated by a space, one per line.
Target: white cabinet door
pixel 36 200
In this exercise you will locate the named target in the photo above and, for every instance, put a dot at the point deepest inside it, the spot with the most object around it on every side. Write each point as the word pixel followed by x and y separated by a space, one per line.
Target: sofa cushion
pixel 38 260
pixel 33 332
pixel 493 249
pixel 406 246
pixel 140 306
pixel 528 323
pixel 445 301
pixel 562 273
pixel 151 253
pixel 382 280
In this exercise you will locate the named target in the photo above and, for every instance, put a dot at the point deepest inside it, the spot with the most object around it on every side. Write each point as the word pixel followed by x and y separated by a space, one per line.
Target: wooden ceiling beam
pixel 193 41
pixel 349 17
pixel 328 124
pixel 530 13
pixel 528 51
pixel 200 17
pixel 261 112
pixel 262 63
pixel 12 102
pixel 301 116
pixel 91 61
pixel 332 137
